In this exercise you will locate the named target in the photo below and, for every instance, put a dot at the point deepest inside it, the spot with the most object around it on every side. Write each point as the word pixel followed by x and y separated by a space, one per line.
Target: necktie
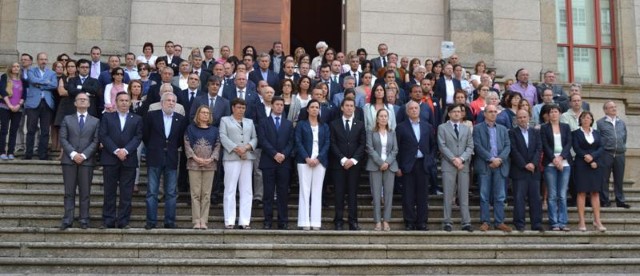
pixel 191 97
pixel 335 79
pixel 197 72
pixel 81 123
pixel 242 94
pixel 455 128
pixel 212 103
pixel 346 127
pixel 277 123
pixel 384 61
pixel 82 80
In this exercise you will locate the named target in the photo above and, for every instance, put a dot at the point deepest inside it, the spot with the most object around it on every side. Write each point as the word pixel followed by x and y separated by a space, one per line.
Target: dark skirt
pixel 586 179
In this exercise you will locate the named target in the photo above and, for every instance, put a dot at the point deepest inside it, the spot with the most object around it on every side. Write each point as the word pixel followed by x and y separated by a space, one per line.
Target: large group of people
pixel 249 127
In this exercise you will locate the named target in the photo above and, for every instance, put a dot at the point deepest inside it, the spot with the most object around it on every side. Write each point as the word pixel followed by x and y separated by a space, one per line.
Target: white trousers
pixel 237 176
pixel 310 195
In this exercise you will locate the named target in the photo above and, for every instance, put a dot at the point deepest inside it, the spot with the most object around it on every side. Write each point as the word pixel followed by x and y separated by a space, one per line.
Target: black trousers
pixel 346 181
pixel 414 195
pixel 276 181
pixel 117 177
pixel 9 123
pixel 527 189
pixel 43 115
pixel 612 163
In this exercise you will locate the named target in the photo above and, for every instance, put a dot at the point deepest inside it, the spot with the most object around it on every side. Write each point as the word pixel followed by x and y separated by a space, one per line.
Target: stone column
pixel 103 23
pixel 470 27
pixel 627 42
pixel 8 31
pixel 548 36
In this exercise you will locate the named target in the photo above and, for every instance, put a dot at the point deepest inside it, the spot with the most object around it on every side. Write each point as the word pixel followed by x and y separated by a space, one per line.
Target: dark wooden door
pixel 260 23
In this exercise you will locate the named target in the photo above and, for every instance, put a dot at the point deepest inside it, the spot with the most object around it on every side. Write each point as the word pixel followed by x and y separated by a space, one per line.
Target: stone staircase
pixel 31 194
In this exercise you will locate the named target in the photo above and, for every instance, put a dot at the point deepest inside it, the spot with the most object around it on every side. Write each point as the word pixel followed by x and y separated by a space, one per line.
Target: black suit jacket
pixel 161 150
pixel 326 114
pixel 358 81
pixel 113 138
pixel 441 90
pixel 546 132
pixel 349 145
pixel 521 154
pixel 103 66
pixel 91 86
pixel 274 141
pixel 272 78
pixel 252 99
pixel 153 96
pixel 184 94
pixel 408 146
pixel 210 67
pixel 221 109
pixel 204 78
pixel 175 63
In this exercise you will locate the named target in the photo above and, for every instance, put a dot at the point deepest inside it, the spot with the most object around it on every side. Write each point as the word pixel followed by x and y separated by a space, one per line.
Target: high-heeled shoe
pixel 385 226
pixel 378 227
pixel 582 228
pixel 599 227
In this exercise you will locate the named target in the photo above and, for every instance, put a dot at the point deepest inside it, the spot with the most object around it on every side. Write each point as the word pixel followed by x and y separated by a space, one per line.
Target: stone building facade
pixel 506 34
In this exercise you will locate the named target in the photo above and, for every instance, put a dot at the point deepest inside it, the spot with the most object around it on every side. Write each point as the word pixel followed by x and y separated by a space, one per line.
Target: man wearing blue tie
pixel 275 137
pixel 39 106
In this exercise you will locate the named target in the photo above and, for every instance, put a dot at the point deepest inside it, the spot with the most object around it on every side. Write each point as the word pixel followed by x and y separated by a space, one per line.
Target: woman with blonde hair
pixel 12 97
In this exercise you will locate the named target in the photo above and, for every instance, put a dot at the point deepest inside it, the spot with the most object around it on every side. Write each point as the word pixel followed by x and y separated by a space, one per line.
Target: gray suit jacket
pixel 85 141
pixel 451 146
pixel 374 148
pixel 482 148
pixel 232 134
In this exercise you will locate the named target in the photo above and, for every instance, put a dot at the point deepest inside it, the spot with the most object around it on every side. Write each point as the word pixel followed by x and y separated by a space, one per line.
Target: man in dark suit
pixel 446 86
pixel 348 141
pixel 380 61
pixel 325 76
pixel 120 135
pixel 196 67
pixel 326 112
pixel 526 147
pixel 209 61
pixel 264 73
pixel 162 135
pixel 79 139
pixel 275 137
pixel 416 147
pixel 191 93
pixel 426 115
pixel 276 58
pixel 83 83
pixel 171 60
pixel 153 96
pixel 354 63
pixel 220 107
pixel 241 90
pixel 288 72
pixel 97 66
pixel 492 147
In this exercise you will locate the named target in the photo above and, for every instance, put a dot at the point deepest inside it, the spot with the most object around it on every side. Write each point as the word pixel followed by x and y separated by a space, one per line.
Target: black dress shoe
pixel 519 228
pixel 354 226
pixel 267 225
pixel 64 226
pixel 448 228
pixel 467 228
pixel 84 225
pixel 623 205
pixel 539 229
pixel 283 226
pixel 422 227
pixel 409 227
pixel 606 204
pixel 149 226
pixel 170 226
pixel 339 226
pixel 126 226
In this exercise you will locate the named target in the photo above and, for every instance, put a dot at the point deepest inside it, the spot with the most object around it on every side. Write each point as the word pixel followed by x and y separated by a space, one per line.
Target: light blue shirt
pixel 525 135
pixel 493 140
pixel 416 131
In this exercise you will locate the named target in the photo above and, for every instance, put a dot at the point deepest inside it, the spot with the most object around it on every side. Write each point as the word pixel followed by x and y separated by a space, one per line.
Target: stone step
pixel 250 266
pixel 139 208
pixel 280 237
pixel 71 249
pixel 366 223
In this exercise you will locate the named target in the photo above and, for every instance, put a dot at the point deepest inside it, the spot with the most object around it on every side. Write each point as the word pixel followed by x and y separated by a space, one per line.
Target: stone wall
pixel 47 26
pixel 413 28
